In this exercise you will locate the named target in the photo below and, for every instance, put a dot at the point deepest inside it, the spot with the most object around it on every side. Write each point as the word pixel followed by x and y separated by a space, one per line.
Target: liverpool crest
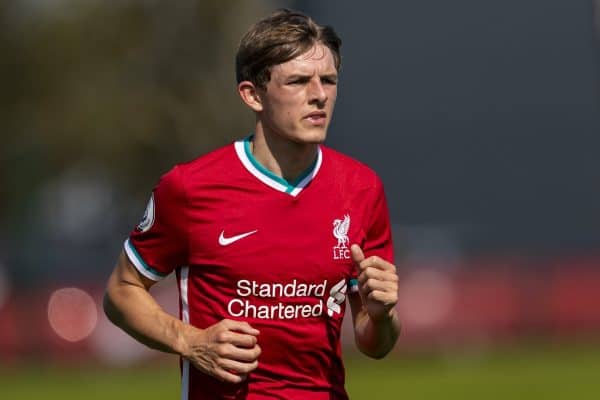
pixel 340 232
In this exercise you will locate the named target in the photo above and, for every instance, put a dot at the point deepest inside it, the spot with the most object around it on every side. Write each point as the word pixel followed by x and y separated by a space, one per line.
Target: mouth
pixel 317 117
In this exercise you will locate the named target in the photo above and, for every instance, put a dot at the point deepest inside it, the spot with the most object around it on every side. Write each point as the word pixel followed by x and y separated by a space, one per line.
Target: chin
pixel 314 140
pixel 314 136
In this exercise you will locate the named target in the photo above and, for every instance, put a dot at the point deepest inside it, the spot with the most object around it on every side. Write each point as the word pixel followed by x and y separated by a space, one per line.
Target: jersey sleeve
pixel 159 243
pixel 378 240
pixel 378 232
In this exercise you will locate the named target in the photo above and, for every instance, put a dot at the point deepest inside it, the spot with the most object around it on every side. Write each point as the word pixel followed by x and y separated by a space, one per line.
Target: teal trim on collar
pixel 289 186
pixel 262 169
pixel 306 173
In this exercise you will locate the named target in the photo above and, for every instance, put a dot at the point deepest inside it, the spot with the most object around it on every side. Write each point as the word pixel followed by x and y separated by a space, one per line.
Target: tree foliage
pixel 131 87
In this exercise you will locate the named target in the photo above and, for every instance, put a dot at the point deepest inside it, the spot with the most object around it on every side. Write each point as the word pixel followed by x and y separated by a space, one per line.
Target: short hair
pixel 280 37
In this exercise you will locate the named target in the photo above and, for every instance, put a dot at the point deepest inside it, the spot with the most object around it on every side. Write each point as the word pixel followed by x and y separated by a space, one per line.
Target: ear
pixel 249 94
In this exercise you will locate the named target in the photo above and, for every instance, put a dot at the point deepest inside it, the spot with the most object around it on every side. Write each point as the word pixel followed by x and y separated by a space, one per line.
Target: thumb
pixel 357 254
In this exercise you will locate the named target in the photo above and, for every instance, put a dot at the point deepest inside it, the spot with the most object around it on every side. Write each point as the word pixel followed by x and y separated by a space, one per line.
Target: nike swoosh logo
pixel 226 241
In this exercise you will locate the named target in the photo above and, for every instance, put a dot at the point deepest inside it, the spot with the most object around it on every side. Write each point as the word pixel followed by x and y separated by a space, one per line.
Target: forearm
pixel 376 338
pixel 129 305
pixel 227 350
pixel 143 319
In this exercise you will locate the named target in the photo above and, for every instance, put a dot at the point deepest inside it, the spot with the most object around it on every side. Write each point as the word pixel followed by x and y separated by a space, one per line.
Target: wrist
pixel 387 325
pixel 384 318
pixel 182 345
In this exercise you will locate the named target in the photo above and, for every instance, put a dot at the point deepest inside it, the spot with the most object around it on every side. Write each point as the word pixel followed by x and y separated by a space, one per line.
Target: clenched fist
pixel 227 350
pixel 377 284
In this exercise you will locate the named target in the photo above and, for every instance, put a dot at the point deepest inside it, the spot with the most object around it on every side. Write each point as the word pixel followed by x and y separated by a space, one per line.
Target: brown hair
pixel 278 38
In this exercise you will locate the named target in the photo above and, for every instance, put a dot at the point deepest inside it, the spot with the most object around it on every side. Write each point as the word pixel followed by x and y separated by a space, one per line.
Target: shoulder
pixel 201 169
pixel 346 168
pixel 209 162
pixel 212 165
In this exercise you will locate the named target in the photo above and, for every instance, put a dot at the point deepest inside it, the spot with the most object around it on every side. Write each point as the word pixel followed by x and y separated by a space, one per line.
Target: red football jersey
pixel 248 245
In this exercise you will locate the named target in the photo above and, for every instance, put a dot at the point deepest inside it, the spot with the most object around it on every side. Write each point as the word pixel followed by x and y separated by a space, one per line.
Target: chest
pixel 261 237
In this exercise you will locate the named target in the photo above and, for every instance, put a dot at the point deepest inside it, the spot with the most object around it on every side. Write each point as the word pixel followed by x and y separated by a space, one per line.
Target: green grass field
pixel 519 373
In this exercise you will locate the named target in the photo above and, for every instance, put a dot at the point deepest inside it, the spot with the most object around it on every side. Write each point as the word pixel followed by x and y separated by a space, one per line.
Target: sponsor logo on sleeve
pixel 148 219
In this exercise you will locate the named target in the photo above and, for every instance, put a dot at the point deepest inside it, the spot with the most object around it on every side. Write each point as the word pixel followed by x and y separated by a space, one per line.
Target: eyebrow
pixel 330 76
pixel 292 77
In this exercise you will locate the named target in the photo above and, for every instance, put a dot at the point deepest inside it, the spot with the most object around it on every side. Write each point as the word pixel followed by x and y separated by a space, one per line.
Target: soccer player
pixel 268 237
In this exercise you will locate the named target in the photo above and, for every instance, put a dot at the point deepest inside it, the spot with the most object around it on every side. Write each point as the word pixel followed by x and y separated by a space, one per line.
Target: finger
pixel 237 339
pixel 378 263
pixel 238 367
pixel 240 326
pixel 227 376
pixel 240 354
pixel 383 286
pixel 372 273
pixel 387 298
pixel 357 254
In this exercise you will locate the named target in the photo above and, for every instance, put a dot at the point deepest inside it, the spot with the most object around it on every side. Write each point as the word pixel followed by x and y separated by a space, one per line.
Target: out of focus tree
pixel 131 87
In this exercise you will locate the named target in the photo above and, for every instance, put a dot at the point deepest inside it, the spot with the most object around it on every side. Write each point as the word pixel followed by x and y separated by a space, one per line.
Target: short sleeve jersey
pixel 248 245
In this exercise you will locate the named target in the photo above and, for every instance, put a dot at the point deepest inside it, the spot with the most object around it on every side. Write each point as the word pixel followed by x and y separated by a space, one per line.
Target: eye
pixel 329 81
pixel 298 81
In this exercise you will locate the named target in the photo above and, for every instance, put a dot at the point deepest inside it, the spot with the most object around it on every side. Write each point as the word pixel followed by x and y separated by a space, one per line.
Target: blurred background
pixel 482 119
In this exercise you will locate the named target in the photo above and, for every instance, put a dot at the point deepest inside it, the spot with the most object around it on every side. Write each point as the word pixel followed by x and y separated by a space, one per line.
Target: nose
pixel 317 92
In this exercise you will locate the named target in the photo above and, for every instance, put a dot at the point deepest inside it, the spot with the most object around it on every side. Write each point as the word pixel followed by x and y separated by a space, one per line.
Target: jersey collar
pixel 242 148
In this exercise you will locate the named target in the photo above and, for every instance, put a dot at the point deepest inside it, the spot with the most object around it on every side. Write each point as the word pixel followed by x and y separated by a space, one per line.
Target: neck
pixel 283 157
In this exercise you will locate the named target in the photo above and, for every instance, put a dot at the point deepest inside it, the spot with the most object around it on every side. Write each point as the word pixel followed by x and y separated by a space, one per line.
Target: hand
pixel 377 284
pixel 227 350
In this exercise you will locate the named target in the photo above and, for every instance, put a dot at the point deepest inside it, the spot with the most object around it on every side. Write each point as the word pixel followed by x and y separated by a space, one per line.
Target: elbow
pixel 376 354
pixel 380 355
pixel 377 346
pixel 110 310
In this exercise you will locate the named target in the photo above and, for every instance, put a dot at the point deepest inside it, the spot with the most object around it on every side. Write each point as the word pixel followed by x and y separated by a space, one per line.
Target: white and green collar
pixel 242 148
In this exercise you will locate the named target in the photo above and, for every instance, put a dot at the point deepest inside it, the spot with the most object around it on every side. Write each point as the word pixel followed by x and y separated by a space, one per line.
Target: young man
pixel 268 237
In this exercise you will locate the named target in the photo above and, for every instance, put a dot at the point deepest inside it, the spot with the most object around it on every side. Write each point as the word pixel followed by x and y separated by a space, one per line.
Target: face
pixel 297 104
